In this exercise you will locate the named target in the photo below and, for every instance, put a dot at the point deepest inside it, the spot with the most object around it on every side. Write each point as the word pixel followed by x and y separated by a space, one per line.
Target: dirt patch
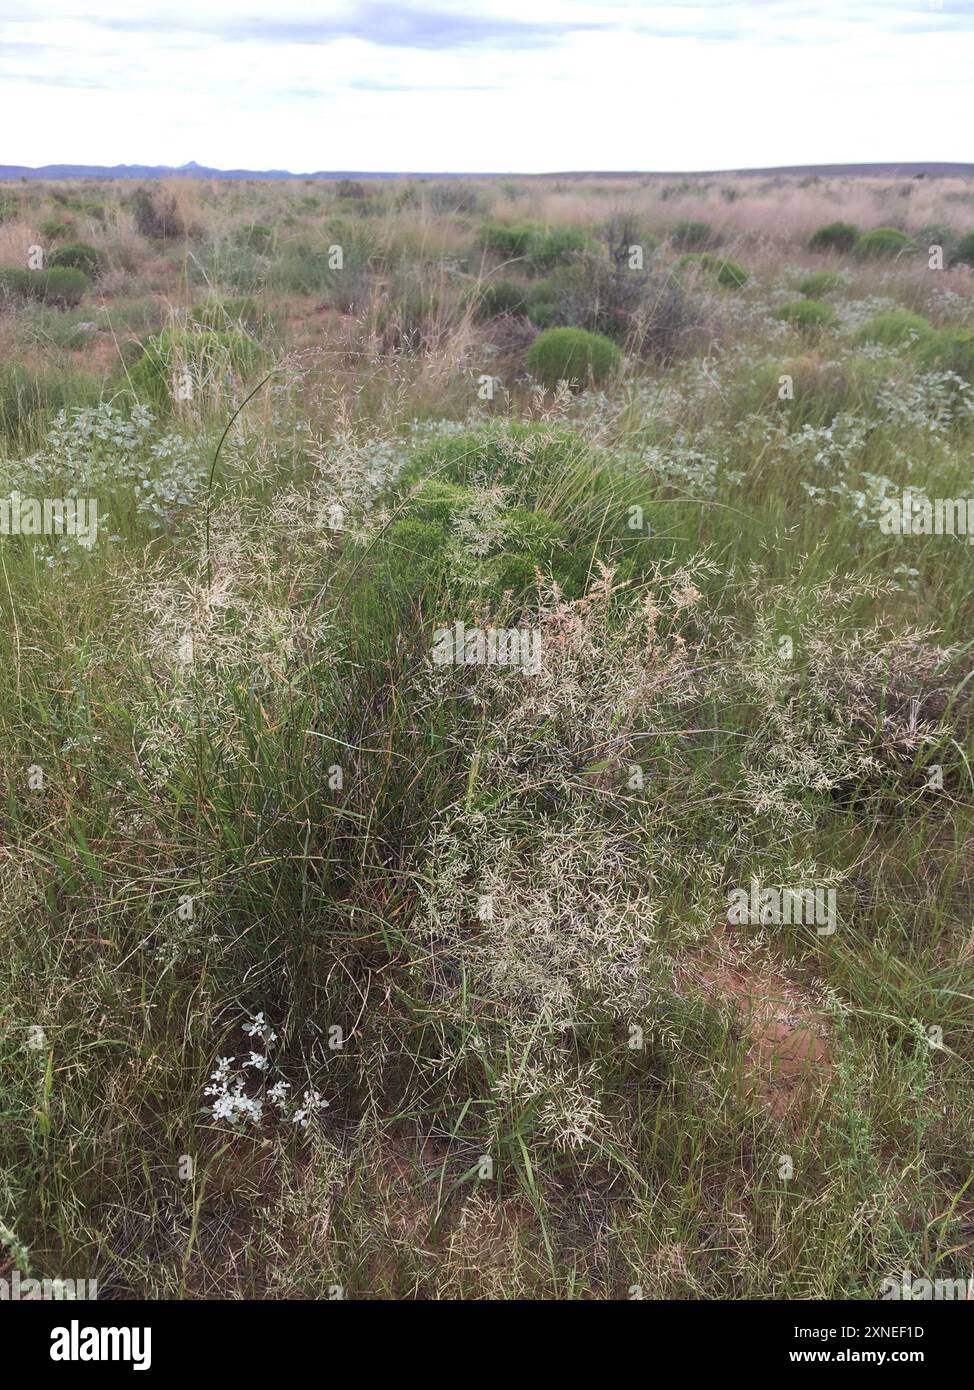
pixel 788 1056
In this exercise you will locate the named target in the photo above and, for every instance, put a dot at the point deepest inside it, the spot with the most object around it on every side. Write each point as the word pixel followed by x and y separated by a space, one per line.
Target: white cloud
pixel 488 86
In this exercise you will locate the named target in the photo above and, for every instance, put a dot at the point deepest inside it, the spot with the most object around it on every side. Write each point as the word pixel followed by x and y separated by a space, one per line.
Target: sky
pixel 525 86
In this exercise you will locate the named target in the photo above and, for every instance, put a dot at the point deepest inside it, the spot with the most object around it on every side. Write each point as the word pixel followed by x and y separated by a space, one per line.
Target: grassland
pixel 327 969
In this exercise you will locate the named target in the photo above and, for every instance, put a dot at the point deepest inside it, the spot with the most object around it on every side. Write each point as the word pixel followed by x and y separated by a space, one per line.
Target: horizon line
pixel 194 169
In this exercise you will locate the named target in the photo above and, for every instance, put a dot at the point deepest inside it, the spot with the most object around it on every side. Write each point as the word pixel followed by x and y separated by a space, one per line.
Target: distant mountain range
pixel 191 170
pixel 199 171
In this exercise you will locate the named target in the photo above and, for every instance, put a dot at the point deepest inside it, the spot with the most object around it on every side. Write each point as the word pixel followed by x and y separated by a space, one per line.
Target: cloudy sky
pixel 486 85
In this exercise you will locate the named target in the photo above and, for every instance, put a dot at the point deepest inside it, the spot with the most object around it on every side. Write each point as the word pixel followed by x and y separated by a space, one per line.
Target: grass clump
pixel 198 366
pixel 78 255
pixel 896 327
pixel 510 241
pixel 965 249
pixel 256 236
pixel 55 228
pixel 573 355
pixel 61 329
pixel 30 398
pixel 883 244
pixel 692 236
pixel 159 217
pixel 835 236
pixel 420 551
pixel 821 282
pixel 727 273
pixel 555 246
pixel 61 285
pixel 807 315
pixel 306 269
pixel 244 311
pixel 495 297
pixel 951 350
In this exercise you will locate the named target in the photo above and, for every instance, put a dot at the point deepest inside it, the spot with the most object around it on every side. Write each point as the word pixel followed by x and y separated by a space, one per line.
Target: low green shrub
pixel 78 255
pixel 728 274
pixel 820 282
pixel 883 243
pixel 419 550
pixel 59 286
pixel 951 350
pixel 572 354
pixel 807 315
pixel 555 246
pixel 54 229
pixel 835 236
pixel 510 242
pixel 896 327
pixel 561 495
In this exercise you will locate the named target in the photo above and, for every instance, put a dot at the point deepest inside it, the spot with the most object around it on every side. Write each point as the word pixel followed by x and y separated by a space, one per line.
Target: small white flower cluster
pixel 232 1101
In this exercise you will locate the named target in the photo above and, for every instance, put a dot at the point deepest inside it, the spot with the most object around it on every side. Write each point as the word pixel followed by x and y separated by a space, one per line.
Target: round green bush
pixel 820 282
pixel 883 243
pixel 895 327
pixel 78 255
pixel 965 249
pixel 61 286
pixel 572 354
pixel 692 236
pixel 836 236
pixel 729 275
pixel 807 315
